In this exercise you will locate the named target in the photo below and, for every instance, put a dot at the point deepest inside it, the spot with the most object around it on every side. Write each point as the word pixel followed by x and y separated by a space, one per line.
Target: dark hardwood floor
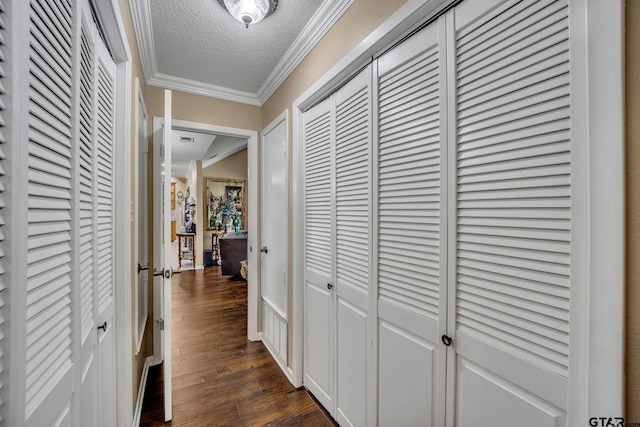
pixel 220 378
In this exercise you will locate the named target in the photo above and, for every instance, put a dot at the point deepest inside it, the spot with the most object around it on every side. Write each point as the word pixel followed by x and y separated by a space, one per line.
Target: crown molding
pixel 319 25
pixel 191 86
pixel 141 16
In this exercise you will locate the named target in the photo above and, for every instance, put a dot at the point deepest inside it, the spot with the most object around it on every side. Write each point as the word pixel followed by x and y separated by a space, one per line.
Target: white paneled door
pixel 438 226
pixel 273 250
pixel 162 255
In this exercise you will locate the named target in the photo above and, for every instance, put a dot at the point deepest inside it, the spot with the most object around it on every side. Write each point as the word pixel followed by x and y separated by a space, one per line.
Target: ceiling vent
pixel 190 139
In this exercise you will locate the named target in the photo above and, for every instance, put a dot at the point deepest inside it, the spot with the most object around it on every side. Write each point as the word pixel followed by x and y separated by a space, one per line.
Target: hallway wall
pixel 146 349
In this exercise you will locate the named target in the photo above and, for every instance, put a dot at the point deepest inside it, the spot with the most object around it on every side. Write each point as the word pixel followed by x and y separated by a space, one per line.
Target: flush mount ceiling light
pixel 249 11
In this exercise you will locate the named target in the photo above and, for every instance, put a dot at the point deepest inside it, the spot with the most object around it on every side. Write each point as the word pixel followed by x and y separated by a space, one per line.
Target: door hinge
pixel 161 323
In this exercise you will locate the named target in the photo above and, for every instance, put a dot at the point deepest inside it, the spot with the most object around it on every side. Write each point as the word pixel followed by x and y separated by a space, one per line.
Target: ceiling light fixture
pixel 249 11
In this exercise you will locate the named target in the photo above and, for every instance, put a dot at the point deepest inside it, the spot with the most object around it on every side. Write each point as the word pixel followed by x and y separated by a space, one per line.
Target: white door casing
pixel 274 254
pixel 158 248
pixel 166 243
pixel 141 304
pixel 162 255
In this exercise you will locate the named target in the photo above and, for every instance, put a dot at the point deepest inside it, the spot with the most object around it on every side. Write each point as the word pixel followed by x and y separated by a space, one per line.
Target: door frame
pixel 596 381
pixel 253 280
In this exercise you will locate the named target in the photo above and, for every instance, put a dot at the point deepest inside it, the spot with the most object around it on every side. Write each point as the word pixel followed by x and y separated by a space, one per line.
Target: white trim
pixel 596 364
pixel 110 19
pixel 297 193
pixel 253 282
pixel 408 17
pixel 277 358
pixel 318 26
pixel 199 88
pixel 122 258
pixel 141 389
pixel 141 17
pixel 138 335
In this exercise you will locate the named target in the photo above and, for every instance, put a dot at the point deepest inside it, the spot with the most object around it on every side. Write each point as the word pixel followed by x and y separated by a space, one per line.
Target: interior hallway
pixel 220 378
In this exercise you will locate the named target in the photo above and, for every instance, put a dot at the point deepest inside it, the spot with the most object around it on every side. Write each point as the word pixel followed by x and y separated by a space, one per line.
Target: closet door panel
pixel 319 221
pixel 353 247
pixel 49 374
pixel 412 230
pixel 513 230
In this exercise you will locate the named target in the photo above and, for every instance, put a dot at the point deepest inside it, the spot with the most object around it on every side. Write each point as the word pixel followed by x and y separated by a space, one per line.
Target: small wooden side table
pixel 215 246
pixel 188 251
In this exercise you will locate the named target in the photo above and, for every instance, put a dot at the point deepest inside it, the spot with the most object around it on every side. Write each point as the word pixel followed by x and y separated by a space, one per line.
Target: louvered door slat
pixel 48 287
pixel 403 161
pixel 318 193
pixel 514 182
pixel 104 183
pixel 86 181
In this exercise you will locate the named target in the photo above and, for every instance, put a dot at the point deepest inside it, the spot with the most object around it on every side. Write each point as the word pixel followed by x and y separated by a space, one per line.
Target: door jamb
pixel 253 281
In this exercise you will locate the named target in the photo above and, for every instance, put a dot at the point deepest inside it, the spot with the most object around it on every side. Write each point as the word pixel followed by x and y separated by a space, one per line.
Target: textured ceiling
pixel 198 40
pixel 196 46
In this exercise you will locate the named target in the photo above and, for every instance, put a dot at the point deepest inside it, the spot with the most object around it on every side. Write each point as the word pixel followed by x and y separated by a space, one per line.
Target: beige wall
pixel 633 207
pixel 358 22
pixel 203 109
pixel 233 168
pixel 136 72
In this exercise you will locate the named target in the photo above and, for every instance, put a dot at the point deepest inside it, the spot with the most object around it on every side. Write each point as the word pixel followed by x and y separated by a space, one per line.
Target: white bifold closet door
pixel 412 229
pixel 453 309
pixel 510 284
pixel 63 365
pixel 338 250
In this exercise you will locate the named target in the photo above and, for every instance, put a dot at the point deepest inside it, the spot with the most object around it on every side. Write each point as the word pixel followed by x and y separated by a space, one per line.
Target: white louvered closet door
pixel 86 193
pixel 104 240
pixel 353 248
pixel 49 366
pixel 513 240
pixel 411 262
pixel 319 312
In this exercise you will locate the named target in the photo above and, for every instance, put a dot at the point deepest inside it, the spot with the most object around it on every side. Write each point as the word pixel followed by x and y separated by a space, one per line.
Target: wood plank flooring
pixel 220 378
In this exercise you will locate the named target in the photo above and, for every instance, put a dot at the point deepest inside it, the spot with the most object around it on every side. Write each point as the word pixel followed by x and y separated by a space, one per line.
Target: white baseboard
pixel 278 359
pixel 143 384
